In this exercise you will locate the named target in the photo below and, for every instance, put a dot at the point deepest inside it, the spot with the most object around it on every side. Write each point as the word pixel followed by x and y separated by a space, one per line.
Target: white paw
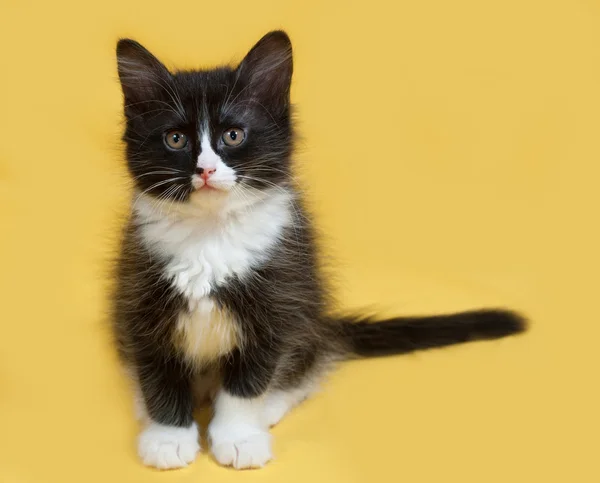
pixel 240 446
pixel 167 447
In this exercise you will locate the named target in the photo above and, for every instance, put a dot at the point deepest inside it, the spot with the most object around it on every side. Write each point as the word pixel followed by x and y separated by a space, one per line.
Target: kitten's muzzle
pixel 205 173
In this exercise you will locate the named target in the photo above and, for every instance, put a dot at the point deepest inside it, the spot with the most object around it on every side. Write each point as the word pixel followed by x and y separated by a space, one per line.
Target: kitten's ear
pixel 142 75
pixel 268 68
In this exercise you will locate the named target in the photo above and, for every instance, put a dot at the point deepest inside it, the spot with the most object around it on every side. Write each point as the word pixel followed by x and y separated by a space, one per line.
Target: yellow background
pixel 451 152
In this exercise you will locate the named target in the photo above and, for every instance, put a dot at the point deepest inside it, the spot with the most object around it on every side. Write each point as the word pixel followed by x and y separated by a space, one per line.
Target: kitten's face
pixel 204 134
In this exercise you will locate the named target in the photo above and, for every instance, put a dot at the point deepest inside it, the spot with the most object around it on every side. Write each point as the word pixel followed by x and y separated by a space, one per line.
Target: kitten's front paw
pixel 166 447
pixel 240 446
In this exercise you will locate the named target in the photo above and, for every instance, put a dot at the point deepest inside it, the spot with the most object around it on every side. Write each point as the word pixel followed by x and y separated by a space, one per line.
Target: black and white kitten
pixel 218 291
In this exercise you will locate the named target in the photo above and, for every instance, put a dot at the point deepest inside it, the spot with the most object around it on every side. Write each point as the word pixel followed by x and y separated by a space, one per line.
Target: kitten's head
pixel 197 135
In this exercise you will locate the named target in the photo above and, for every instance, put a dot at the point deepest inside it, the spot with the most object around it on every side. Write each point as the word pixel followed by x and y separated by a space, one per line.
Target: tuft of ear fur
pixel 268 69
pixel 142 75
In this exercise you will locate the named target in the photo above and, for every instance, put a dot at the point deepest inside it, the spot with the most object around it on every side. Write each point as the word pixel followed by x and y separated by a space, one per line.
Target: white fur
pixel 237 433
pixel 223 178
pixel 278 403
pixel 214 236
pixel 208 158
pixel 219 233
pixel 167 447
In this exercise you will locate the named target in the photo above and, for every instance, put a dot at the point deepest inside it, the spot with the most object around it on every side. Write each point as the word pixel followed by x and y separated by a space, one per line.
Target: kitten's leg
pixel 238 434
pixel 239 431
pixel 170 437
pixel 279 402
pixel 139 406
pixel 300 373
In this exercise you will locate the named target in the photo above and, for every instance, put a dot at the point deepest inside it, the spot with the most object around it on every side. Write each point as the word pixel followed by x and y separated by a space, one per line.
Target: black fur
pixel 146 309
pixel 408 334
pixel 157 100
pixel 281 308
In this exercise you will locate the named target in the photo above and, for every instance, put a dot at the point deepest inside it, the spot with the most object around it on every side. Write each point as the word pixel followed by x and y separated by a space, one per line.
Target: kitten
pixel 218 289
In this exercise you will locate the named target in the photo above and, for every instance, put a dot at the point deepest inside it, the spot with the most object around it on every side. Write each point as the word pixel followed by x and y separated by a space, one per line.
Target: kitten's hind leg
pixel 279 402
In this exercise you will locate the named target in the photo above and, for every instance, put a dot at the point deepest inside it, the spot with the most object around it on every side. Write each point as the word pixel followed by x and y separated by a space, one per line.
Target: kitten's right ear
pixel 142 75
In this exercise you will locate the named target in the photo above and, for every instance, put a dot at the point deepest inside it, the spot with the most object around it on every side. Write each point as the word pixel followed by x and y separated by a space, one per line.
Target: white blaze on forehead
pixel 208 158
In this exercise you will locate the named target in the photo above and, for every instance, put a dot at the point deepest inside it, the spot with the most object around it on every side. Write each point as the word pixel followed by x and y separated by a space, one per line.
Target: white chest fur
pixel 206 241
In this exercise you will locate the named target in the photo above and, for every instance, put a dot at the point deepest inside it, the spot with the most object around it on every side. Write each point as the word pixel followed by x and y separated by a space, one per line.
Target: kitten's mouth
pixel 207 189
pixel 200 185
pixel 209 186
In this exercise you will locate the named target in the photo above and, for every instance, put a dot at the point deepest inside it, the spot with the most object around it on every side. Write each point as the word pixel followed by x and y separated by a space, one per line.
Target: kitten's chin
pixel 209 199
pixel 206 190
pixel 213 185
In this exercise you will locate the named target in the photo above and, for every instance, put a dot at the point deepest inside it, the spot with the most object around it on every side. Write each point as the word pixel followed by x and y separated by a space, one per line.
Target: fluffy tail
pixel 369 338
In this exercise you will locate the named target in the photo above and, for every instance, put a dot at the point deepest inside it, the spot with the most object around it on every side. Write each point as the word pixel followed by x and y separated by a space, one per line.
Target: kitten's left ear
pixel 268 68
pixel 142 75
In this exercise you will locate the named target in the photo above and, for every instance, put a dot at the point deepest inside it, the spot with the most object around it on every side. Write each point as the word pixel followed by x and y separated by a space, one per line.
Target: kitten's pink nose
pixel 205 173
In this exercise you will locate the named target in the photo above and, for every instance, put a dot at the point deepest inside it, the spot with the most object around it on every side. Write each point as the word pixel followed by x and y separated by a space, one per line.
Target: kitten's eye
pixel 176 140
pixel 234 136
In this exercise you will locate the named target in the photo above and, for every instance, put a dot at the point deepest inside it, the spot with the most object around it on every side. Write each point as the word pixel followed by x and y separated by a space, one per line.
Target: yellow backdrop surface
pixel 450 151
